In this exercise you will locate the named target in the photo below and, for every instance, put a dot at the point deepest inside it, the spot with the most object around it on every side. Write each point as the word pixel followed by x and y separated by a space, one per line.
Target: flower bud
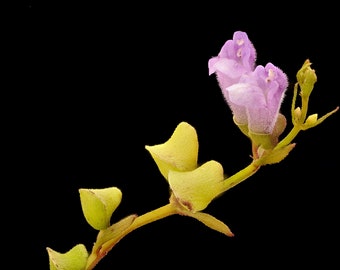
pixel 312 119
pixel 297 115
pixel 306 78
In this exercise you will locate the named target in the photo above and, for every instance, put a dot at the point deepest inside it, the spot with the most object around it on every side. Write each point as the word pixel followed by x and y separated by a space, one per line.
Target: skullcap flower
pixel 257 98
pixel 253 93
pixel 236 57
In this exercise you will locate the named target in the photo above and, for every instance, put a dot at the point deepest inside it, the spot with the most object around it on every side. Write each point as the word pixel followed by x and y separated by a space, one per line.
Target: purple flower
pixel 256 99
pixel 236 57
pixel 253 93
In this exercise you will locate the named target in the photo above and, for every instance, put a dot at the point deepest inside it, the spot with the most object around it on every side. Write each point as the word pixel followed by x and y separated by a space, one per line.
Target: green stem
pixel 154 215
pixel 241 175
pixel 99 252
pixel 289 137
pixel 304 109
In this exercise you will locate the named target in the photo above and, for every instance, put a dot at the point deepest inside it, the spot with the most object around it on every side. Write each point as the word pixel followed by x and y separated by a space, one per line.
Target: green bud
pixel 312 119
pixel 306 78
pixel 99 204
pixel 74 259
pixel 297 115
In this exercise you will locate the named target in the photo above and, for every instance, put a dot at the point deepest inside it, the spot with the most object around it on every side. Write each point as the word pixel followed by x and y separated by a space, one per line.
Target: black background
pixel 93 83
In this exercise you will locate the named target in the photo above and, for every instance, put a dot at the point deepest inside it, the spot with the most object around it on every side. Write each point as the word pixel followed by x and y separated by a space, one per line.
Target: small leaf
pixel 99 204
pixel 277 155
pixel 179 153
pixel 74 259
pixel 196 189
pixel 211 222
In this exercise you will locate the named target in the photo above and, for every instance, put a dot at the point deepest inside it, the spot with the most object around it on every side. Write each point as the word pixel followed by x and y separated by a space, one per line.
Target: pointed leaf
pixel 196 189
pixel 211 222
pixel 277 155
pixel 179 153
pixel 99 204
pixel 74 259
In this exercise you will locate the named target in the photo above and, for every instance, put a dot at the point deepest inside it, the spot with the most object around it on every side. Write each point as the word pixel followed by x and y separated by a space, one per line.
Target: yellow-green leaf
pixel 99 204
pixel 179 153
pixel 277 155
pixel 74 259
pixel 196 189
pixel 211 222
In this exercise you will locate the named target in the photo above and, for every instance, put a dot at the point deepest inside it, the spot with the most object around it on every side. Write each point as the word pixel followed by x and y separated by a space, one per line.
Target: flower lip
pixel 260 93
pixel 236 57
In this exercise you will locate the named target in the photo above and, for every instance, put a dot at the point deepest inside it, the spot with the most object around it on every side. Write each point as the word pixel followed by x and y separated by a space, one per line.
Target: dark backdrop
pixel 95 82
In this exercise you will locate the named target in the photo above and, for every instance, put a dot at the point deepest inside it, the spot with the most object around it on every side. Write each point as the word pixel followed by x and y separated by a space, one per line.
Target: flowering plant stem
pixel 101 248
pixel 107 239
